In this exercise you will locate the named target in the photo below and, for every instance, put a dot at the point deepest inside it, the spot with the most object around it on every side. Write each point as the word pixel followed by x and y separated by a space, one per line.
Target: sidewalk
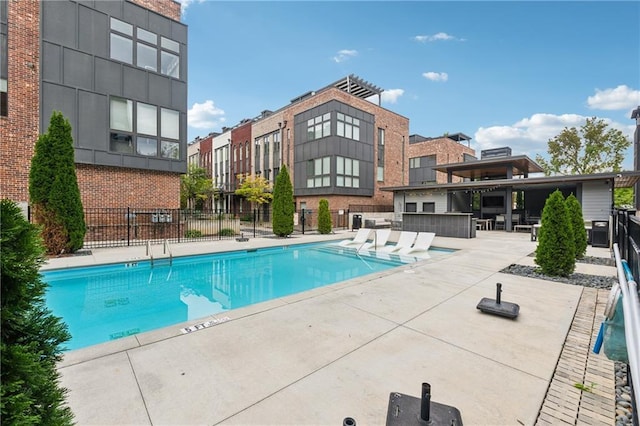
pixel 339 351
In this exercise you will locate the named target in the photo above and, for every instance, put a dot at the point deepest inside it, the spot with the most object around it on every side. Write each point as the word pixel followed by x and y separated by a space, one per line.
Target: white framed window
pixel 170 123
pixel 347 126
pixel 347 172
pixel 319 172
pixel 319 127
pixel 147 120
pixel 138 133
pixel 147 45
pixel 121 114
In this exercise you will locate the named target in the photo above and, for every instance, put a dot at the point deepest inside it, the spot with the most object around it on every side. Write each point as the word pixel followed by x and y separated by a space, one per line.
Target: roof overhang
pixel 492 168
pixel 620 180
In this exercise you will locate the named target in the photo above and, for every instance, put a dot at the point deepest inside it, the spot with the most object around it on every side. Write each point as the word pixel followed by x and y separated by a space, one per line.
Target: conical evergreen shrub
pixel 54 191
pixel 556 253
pixel 324 217
pixel 283 205
pixel 577 223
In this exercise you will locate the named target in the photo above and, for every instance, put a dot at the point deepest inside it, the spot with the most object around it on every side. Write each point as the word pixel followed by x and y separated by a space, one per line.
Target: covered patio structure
pixel 500 192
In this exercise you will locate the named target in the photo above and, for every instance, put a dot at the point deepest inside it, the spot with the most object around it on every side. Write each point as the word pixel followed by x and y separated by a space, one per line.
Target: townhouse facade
pixel 117 70
pixel 337 145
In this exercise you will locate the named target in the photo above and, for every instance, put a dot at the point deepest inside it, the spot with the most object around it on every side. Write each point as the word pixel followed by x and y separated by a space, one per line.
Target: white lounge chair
pixel 361 237
pixel 405 241
pixel 422 243
pixel 380 238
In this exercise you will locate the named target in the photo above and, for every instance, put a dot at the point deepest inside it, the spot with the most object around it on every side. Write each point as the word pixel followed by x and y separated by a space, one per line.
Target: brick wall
pixel 19 131
pixel 142 189
pixel 447 151
pixel 168 8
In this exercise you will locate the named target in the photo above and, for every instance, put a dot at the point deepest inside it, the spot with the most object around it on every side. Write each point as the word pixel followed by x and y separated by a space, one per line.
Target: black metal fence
pixel 116 227
pixel 626 232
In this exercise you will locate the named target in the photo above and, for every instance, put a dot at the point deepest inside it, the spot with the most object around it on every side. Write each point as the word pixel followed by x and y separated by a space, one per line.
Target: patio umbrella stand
pixel 497 306
pixel 405 410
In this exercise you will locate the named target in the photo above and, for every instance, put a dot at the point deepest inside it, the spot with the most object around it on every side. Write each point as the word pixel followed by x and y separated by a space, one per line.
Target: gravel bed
pixel 623 409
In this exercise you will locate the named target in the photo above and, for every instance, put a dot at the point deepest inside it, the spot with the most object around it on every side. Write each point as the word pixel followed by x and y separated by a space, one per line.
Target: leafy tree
pixel 31 337
pixel 53 188
pixel 283 205
pixel 195 187
pixel 324 217
pixel 591 149
pixel 556 251
pixel 623 197
pixel 577 224
pixel 256 189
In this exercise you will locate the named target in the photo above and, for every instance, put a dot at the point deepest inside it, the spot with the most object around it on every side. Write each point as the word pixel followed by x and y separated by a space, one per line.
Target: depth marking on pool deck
pixel 202 325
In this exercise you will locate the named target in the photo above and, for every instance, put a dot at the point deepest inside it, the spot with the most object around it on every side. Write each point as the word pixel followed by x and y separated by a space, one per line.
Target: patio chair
pixel 405 240
pixel 361 237
pixel 422 244
pixel 380 238
pixel 499 222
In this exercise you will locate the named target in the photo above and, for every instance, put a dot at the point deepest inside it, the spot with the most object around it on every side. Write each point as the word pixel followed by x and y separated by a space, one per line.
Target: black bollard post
pixel 498 292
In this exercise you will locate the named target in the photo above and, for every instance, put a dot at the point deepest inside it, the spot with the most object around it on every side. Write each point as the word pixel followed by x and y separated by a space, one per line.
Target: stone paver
pixel 564 402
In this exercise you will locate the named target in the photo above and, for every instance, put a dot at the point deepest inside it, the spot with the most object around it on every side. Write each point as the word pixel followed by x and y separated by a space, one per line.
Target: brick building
pixel 425 153
pixel 337 145
pixel 117 70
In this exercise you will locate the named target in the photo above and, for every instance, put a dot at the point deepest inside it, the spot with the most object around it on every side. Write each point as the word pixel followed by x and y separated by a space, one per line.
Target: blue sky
pixel 504 73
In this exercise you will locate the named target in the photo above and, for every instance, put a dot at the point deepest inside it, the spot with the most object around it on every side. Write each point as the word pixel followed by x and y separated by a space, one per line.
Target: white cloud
pixel 184 4
pixel 529 136
pixel 344 54
pixel 436 37
pixel 436 76
pixel 205 115
pixel 391 96
pixel 620 98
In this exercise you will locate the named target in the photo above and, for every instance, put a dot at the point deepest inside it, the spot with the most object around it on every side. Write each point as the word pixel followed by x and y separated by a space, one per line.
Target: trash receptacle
pixel 357 221
pixel 600 233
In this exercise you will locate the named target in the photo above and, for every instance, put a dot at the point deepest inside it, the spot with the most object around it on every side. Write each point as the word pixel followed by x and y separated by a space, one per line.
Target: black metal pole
pixel 425 403
pixel 128 227
pixel 498 291
pixel 255 217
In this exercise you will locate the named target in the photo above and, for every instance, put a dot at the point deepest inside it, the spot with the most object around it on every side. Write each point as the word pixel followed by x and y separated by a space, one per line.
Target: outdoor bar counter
pixel 457 225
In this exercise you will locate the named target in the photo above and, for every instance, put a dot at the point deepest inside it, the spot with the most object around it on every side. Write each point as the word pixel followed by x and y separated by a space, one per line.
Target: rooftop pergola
pixel 358 87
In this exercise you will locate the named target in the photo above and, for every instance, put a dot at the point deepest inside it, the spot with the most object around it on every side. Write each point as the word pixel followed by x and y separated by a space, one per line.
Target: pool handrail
pixel 167 247
pixel 150 252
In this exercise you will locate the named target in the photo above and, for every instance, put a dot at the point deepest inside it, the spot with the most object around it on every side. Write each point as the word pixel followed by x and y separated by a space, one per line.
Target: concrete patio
pixel 339 351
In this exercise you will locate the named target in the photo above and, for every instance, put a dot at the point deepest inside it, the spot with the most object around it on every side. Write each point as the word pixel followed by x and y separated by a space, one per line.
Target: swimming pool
pixel 103 303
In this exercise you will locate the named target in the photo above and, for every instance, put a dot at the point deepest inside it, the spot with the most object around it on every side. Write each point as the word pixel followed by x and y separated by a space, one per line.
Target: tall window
pixel 348 127
pixel 265 150
pixel 152 125
pixel 4 55
pixel 319 172
pixel 380 155
pixel 147 44
pixel 347 172
pixel 276 150
pixel 319 127
pixel 121 41
pixel 256 164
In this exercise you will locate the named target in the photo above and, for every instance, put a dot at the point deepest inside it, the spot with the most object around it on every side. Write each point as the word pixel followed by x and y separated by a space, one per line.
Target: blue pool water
pixel 103 303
